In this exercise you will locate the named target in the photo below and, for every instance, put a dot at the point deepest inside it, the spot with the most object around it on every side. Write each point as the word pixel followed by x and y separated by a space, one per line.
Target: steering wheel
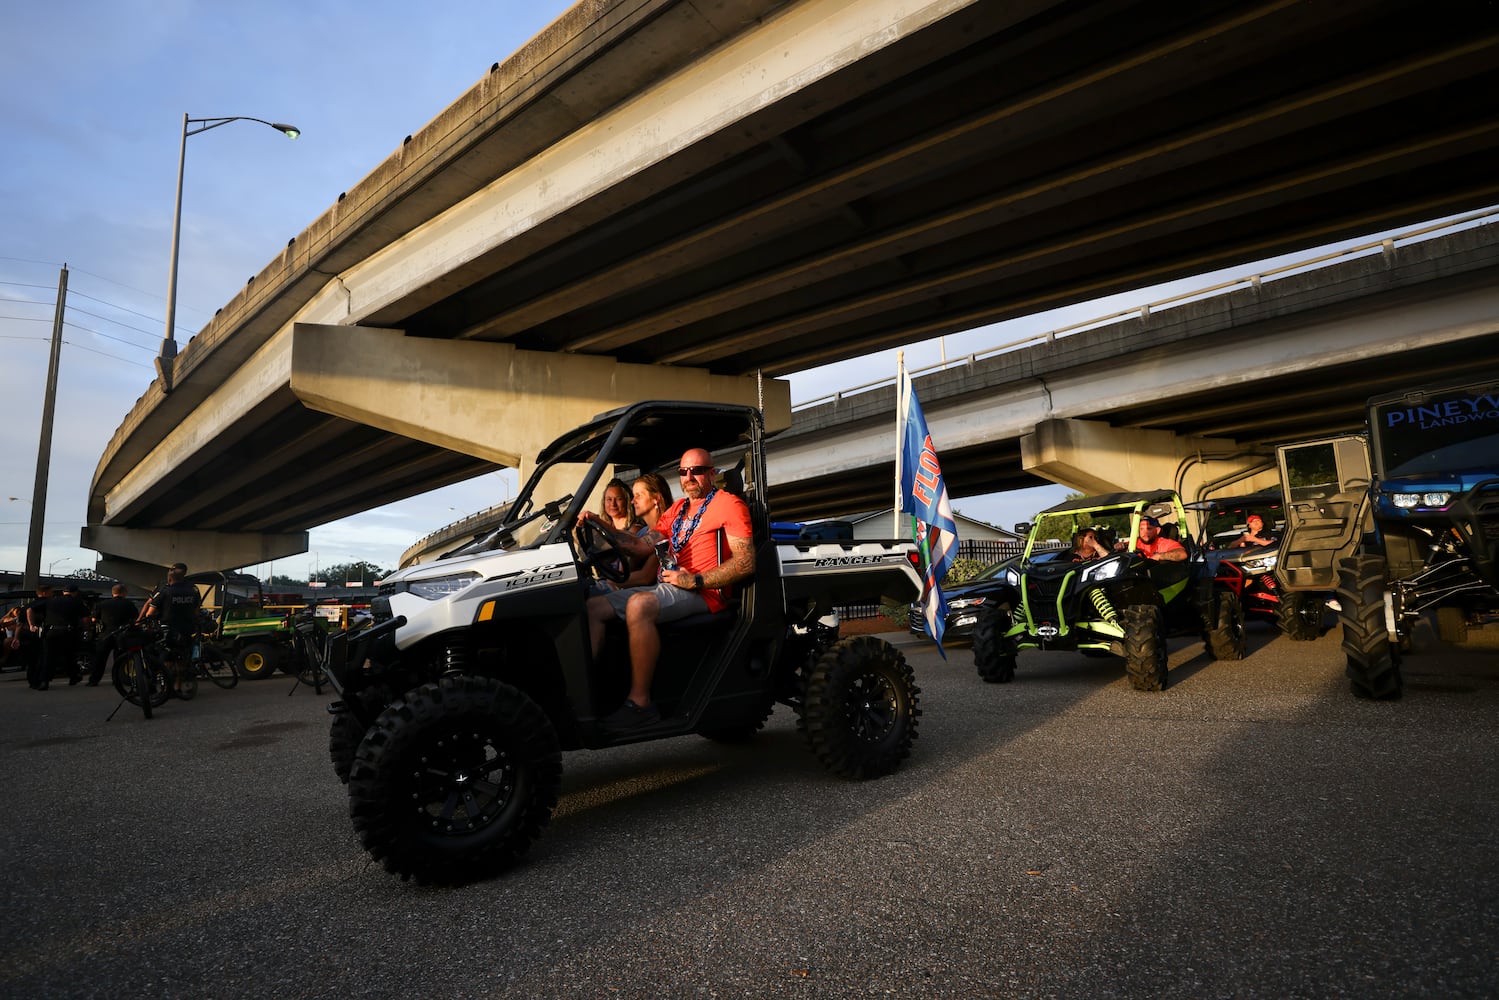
pixel 601 553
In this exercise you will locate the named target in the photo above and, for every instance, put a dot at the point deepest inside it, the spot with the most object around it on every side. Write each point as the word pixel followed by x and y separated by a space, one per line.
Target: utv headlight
pixel 1106 570
pixel 1410 501
pixel 1258 565
pixel 437 587
pixel 1012 577
pixel 964 602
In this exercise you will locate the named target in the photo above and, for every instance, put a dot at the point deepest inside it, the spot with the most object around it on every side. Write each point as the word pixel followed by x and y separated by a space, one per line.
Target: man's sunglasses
pixel 694 470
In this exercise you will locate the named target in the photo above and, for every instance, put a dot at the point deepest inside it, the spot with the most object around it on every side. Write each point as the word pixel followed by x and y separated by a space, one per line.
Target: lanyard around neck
pixel 679 543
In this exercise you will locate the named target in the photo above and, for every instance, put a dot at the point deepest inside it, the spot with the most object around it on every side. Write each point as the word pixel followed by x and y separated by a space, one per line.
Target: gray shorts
pixel 675 602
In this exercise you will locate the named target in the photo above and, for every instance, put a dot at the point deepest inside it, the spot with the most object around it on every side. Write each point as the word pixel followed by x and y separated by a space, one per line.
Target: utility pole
pixel 33 573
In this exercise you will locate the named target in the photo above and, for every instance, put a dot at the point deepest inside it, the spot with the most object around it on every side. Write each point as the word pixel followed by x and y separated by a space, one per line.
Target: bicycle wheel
pixel 122 675
pixel 142 684
pixel 217 667
pixel 160 682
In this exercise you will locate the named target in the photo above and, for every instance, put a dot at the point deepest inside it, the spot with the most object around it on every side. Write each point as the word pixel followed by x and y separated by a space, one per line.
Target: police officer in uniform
pixel 36 664
pixel 111 613
pixel 175 605
pixel 61 624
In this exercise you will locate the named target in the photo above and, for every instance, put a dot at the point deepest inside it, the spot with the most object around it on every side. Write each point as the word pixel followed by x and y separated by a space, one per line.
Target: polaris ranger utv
pixel 452 712
pixel 1418 536
pixel 1123 604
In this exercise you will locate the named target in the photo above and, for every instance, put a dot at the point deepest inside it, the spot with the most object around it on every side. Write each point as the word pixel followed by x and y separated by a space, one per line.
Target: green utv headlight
pixel 1106 570
pixel 438 587
pixel 1012 577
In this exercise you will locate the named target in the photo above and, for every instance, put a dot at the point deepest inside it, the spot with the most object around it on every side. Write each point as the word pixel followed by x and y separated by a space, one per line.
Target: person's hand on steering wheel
pixel 599 551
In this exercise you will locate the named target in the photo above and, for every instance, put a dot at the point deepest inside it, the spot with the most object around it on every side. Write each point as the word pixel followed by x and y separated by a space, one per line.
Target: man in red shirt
pixel 694 572
pixel 1153 545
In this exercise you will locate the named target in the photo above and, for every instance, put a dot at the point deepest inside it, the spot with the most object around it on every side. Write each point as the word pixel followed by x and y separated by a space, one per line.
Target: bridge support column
pixel 139 556
pixel 493 401
pixel 1092 457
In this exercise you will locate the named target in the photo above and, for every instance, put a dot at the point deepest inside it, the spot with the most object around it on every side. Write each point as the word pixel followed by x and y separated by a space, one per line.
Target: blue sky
pixel 91 101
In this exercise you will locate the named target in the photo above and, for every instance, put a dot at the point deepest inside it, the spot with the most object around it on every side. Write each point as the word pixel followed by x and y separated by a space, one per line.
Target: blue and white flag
pixel 924 495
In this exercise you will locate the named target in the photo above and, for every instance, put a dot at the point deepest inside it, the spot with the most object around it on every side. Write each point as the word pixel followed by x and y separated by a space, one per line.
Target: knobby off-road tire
pixel 993 651
pixel 860 710
pixel 257 660
pixel 1227 640
pixel 454 780
pixel 1299 616
pixel 1373 662
pixel 744 731
pixel 1144 646
pixel 346 732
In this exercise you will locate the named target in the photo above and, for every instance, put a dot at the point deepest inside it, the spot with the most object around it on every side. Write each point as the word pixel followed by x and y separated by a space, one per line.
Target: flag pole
pixel 900 385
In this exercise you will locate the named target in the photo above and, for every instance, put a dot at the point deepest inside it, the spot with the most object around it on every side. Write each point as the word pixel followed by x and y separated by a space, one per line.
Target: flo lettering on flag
pixel 923 494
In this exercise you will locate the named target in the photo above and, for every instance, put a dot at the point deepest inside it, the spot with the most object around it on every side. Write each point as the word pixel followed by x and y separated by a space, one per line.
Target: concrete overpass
pixel 658 197
pixel 1193 395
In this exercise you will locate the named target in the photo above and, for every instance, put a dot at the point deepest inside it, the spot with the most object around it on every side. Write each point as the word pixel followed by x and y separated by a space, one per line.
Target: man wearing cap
pixel 1153 545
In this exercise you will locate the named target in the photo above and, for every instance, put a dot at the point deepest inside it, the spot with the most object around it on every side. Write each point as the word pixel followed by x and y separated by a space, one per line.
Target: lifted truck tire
pixel 1144 646
pixel 860 710
pixel 1299 616
pixel 257 660
pixel 454 780
pixel 1373 662
pixel 993 651
pixel 1227 639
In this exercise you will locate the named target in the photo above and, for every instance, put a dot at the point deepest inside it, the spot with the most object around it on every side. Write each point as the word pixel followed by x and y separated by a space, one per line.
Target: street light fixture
pixel 169 340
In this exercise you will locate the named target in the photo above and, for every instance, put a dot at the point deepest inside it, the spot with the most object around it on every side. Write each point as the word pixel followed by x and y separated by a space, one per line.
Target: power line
pixel 74 309
pixel 116 322
pixel 84 329
pixel 112 357
pixel 114 305
pixel 91 274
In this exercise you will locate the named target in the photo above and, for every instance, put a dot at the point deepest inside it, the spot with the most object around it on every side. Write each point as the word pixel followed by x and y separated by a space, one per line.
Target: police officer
pixel 61 621
pixel 111 613
pixel 175 605
pixel 36 663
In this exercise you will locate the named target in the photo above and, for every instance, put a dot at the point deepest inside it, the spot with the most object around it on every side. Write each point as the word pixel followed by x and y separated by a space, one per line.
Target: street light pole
pixel 164 363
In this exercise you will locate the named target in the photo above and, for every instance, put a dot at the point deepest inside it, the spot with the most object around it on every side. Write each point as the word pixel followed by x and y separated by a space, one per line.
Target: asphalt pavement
pixel 1253 831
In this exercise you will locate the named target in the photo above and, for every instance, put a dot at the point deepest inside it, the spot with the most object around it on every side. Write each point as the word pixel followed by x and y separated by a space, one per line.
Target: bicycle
pixel 309 643
pixel 213 664
pixel 139 674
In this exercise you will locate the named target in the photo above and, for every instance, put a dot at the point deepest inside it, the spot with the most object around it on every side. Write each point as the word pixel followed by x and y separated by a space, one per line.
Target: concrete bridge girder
pixel 139 556
pixel 1092 457
pixel 491 400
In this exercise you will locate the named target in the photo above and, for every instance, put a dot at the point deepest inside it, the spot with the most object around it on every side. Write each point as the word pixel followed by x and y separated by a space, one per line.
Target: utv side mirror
pixel 1023 529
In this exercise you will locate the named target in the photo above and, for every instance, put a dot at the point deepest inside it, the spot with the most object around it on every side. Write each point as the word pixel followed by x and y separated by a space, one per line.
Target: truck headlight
pixel 437 587
pixel 1410 501
pixel 964 602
